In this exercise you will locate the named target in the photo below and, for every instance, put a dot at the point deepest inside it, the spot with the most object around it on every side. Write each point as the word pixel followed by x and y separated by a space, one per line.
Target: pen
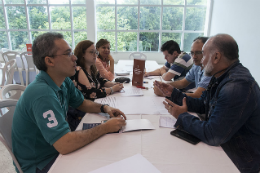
pixel 145 82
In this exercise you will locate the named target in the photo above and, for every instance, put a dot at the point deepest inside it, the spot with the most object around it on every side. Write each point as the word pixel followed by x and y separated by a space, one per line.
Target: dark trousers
pixel 47 167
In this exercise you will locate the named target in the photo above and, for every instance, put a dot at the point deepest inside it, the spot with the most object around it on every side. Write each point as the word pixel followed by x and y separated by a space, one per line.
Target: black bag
pixel 122 80
pixel 74 116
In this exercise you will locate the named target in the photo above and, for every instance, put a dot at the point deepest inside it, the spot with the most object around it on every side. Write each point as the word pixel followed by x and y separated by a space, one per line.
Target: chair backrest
pixel 137 55
pixel 27 60
pixel 12 91
pixel 9 55
pixel 6 121
pixel 8 72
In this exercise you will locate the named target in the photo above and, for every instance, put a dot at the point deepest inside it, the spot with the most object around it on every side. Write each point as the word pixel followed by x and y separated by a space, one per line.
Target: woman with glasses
pixel 105 62
pixel 88 80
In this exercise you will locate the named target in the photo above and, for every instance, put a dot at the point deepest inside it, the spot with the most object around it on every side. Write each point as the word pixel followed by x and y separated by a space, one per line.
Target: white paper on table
pixel 137 124
pixel 134 164
pixel 165 121
pixel 132 92
pixel 134 105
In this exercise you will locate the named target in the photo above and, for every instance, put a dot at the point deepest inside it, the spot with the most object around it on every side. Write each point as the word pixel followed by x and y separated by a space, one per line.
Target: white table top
pixel 166 152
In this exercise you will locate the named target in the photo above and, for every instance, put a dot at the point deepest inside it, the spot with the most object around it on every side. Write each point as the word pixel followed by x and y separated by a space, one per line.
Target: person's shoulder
pixel 184 56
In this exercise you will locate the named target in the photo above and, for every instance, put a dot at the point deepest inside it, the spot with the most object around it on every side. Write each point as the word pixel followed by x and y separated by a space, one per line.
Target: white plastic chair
pixel 8 73
pixel 10 55
pixel 137 55
pixel 28 64
pixel 6 127
pixel 12 91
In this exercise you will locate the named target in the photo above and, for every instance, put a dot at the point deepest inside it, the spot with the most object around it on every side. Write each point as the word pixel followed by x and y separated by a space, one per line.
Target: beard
pixel 208 68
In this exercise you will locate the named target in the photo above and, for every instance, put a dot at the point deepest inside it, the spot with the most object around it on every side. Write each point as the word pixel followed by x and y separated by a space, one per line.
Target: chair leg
pixel 21 76
pixel 27 77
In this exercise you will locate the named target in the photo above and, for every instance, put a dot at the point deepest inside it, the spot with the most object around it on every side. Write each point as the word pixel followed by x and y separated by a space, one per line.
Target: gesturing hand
pixel 166 89
pixel 174 109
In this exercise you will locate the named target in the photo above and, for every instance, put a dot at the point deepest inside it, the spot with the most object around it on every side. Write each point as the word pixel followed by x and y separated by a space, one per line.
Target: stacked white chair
pixel 137 55
pixel 8 72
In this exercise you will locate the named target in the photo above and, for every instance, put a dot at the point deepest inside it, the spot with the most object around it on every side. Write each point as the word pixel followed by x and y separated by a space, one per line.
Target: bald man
pixel 195 74
pixel 231 104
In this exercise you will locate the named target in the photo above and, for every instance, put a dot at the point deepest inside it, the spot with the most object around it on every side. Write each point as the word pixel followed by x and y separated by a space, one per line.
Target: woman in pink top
pixel 105 62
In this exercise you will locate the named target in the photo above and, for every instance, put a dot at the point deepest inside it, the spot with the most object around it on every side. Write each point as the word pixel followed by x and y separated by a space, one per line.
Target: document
pixel 137 124
pixel 132 92
pixel 134 164
pixel 134 105
pixel 165 121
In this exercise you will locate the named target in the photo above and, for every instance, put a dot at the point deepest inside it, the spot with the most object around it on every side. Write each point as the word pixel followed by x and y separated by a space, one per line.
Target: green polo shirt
pixel 40 120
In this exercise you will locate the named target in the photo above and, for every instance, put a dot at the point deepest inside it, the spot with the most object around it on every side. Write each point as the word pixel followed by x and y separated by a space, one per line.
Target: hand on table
pixel 113 112
pixel 174 109
pixel 115 124
pixel 165 89
pixel 118 87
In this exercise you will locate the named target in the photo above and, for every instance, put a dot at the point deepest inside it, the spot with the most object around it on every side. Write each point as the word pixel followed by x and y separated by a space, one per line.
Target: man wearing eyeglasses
pixel 195 74
pixel 40 130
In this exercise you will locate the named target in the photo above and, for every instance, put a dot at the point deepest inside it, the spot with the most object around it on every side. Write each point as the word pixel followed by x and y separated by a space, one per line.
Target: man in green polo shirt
pixel 40 131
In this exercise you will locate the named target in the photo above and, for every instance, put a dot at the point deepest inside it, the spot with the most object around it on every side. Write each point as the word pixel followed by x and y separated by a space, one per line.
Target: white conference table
pixel 166 152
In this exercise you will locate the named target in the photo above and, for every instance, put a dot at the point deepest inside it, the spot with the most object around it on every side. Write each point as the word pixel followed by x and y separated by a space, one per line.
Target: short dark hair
pixel 44 46
pixel 227 46
pixel 171 46
pixel 202 39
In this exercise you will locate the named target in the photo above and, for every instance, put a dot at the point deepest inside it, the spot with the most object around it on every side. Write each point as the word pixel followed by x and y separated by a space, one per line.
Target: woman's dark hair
pixel 79 52
pixel 100 43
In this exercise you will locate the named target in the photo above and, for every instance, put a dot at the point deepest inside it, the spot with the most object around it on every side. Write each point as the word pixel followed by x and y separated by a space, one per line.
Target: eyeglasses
pixel 94 52
pixel 195 53
pixel 68 54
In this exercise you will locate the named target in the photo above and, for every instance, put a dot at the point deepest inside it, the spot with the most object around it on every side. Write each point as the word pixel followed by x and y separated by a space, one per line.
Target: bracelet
pixel 111 90
pixel 102 108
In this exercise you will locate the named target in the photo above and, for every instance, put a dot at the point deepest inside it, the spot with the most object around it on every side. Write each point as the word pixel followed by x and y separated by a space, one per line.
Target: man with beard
pixel 231 104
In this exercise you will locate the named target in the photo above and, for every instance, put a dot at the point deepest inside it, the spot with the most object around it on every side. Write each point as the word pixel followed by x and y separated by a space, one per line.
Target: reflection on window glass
pixel 197 2
pixel 2 18
pixel 105 18
pixel 3 40
pixel 37 1
pixel 19 39
pixel 79 18
pixel 188 39
pixel 58 1
pixel 171 36
pixel 60 17
pixel 78 1
pixel 173 2
pixel 79 36
pixel 148 41
pixel 105 1
pixel 127 41
pixel 127 18
pixel 150 2
pixel 14 1
pixel 195 18
pixel 110 36
pixel 150 18
pixel 172 18
pixel 36 34
pixel 38 17
pixel 127 2
pixel 67 37
pixel 16 17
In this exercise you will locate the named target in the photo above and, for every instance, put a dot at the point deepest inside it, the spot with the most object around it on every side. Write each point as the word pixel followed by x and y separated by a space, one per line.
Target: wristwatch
pixel 102 108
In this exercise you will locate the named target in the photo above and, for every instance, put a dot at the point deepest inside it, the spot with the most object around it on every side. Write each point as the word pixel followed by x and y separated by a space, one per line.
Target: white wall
pixel 240 19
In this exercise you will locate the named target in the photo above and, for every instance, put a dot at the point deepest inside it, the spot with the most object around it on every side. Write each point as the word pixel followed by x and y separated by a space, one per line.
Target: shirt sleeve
pixel 183 63
pixel 103 72
pixel 190 76
pixel 167 65
pixel 75 96
pixel 50 118
pixel 204 81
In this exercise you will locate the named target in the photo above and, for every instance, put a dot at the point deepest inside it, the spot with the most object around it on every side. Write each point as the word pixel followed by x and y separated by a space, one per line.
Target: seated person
pixel 87 79
pixel 40 130
pixel 231 104
pixel 195 74
pixel 105 62
pixel 177 63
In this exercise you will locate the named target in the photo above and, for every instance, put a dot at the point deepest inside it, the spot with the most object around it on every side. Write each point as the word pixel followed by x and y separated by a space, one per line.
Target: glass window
pixel 195 18
pixel 67 36
pixel 14 1
pixel 150 2
pixel 127 41
pixel 36 34
pixel 105 1
pixel 171 36
pixel 58 1
pixel 197 2
pixel 173 2
pixel 110 36
pixel 78 1
pixel 2 18
pixel 127 18
pixel 79 17
pixel 150 18
pixel 16 17
pixel 37 1
pixel 172 18
pixel 188 39
pixel 60 17
pixel 79 36
pixel 105 18
pixel 149 41
pixel 38 17
pixel 127 1
pixel 3 40
pixel 19 39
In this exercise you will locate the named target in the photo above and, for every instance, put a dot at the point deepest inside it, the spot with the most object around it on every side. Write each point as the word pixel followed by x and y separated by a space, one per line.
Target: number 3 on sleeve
pixel 51 118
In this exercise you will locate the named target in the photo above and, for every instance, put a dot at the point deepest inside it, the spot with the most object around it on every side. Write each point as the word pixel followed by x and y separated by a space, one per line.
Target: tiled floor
pixel 6 162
